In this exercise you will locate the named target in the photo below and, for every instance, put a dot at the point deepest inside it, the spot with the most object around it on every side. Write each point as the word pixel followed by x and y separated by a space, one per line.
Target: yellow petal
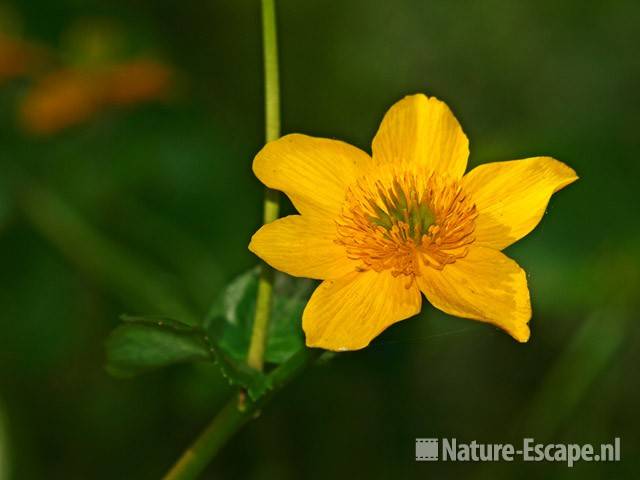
pixel 313 172
pixel 422 131
pixel 485 285
pixel 302 247
pixel 346 314
pixel 511 197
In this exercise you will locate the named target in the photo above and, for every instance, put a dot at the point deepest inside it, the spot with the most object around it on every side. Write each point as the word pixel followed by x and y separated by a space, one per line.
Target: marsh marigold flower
pixel 381 229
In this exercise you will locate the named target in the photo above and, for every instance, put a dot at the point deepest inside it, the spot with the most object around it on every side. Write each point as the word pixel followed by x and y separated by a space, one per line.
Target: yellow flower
pixel 381 229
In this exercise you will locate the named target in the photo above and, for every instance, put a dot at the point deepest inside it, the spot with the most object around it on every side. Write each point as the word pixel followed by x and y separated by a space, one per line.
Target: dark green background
pixel 172 186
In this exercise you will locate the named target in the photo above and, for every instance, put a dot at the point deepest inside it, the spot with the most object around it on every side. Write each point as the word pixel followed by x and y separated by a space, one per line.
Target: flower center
pixel 396 219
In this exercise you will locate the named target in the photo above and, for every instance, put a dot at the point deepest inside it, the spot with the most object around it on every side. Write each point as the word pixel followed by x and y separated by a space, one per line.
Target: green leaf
pixel 285 338
pixel 239 373
pixel 146 343
pixel 161 322
pixel 230 319
pixel 258 384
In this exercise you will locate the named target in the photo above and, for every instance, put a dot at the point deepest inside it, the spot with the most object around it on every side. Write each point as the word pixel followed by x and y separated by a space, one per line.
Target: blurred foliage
pixel 146 207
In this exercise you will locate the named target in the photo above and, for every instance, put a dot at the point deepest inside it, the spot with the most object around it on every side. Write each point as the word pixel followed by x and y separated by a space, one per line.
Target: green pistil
pixel 382 218
pixel 426 219
pixel 418 217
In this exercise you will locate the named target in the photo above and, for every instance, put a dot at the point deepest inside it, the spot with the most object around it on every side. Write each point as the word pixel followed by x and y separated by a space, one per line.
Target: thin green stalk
pixel 271 76
pixel 232 417
pixel 195 458
pixel 5 450
pixel 112 265
pixel 255 357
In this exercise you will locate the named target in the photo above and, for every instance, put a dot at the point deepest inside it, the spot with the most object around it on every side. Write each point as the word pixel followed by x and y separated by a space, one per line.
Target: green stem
pixel 232 417
pixel 239 410
pixel 195 458
pixel 271 76
pixel 255 357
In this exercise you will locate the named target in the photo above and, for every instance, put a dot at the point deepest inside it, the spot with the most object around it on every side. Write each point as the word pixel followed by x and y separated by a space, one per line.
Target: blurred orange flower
pixel 61 99
pixel 138 81
pixel 18 58
pixel 71 96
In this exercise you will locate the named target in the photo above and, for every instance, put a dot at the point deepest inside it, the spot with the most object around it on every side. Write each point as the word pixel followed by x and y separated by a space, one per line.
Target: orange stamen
pixel 399 220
